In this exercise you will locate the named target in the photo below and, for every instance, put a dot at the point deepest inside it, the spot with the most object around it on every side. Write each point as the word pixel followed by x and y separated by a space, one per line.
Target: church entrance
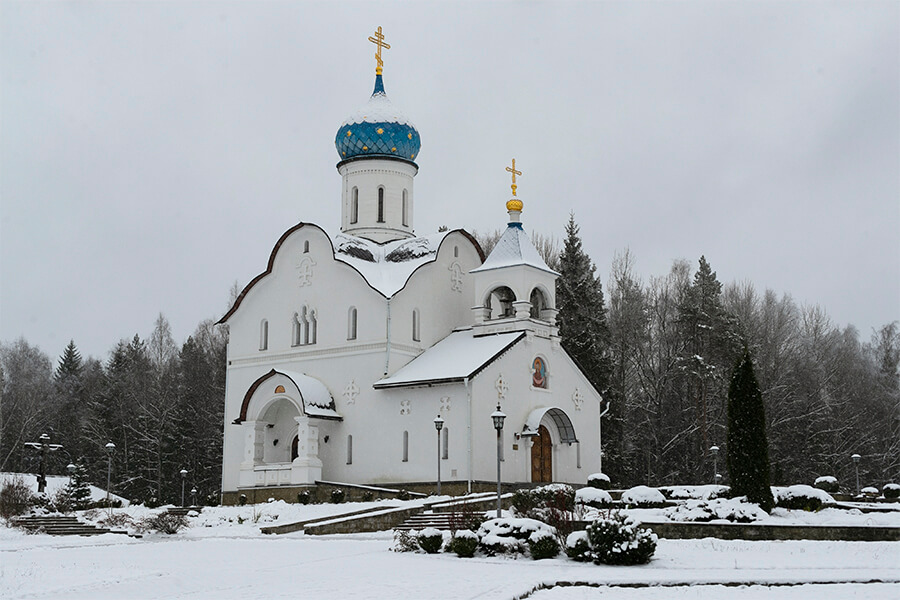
pixel 294 452
pixel 542 457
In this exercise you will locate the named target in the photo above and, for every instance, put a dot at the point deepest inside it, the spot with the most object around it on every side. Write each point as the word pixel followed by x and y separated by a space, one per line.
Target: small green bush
pixel 891 491
pixel 617 540
pixel 599 481
pixel 577 546
pixel 403 495
pixel 242 499
pixel 368 496
pixel 543 545
pixel 304 497
pixel 337 496
pixel 430 540
pixel 464 543
pixel 828 484
pixel 405 541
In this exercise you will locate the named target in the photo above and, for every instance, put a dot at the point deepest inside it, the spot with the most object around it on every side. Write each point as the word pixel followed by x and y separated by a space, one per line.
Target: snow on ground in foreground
pixel 879 591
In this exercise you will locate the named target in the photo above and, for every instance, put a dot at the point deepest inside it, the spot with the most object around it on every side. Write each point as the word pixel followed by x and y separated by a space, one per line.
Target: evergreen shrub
pixel 599 481
pixel 242 499
pixel 430 540
pixel 464 543
pixel 828 484
pixel 617 540
pixel 801 497
pixel 304 497
pixel 405 541
pixel 891 491
pixel 368 496
pixel 337 496
pixel 403 495
pixel 543 544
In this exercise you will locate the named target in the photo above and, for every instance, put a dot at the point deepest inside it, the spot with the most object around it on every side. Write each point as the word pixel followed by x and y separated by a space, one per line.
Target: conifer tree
pixel 79 490
pixel 748 451
pixel 582 310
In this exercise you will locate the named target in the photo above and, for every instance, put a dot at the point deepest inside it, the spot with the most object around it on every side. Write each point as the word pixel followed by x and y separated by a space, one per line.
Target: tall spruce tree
pixel 748 450
pixel 582 310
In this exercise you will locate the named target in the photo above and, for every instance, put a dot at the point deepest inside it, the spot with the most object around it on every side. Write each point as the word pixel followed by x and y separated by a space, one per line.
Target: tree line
pixel 660 352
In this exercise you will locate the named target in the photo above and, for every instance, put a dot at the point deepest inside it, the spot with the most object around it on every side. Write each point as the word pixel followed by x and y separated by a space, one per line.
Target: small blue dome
pixel 378 129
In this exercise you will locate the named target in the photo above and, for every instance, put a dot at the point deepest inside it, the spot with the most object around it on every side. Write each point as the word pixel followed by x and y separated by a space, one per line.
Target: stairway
pixel 418 522
pixel 183 510
pixel 61 526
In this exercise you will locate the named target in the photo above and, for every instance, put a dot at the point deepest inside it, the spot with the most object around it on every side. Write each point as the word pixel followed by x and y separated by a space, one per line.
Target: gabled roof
pixel 514 248
pixel 457 357
pixel 315 398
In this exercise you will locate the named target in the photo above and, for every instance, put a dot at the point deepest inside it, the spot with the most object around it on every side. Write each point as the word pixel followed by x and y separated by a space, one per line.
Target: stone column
pixel 307 467
pixel 523 309
pixel 254 436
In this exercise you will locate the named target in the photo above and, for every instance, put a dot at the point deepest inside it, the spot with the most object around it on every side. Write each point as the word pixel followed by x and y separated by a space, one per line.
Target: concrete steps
pixel 61 526
pixel 439 521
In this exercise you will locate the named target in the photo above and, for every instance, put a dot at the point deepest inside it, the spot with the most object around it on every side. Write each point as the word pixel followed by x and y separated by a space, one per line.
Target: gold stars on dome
pixel 378 40
pixel 349 133
pixel 379 131
pixel 514 203
pixel 409 135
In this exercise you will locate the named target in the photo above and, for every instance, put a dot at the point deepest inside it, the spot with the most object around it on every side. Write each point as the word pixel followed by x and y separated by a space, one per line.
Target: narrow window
pixel 455 251
pixel 295 333
pixel 381 205
pixel 304 327
pixel 445 443
pixel 306 247
pixel 264 335
pixel 577 455
pixel 354 205
pixel 405 210
pixel 405 446
pixel 351 323
pixel 313 326
pixel 415 326
pixel 349 449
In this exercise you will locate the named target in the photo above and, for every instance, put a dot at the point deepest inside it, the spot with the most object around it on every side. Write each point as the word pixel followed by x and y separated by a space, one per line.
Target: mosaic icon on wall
pixel 539 373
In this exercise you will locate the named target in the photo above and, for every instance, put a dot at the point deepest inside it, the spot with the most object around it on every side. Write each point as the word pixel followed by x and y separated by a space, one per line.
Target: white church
pixel 344 351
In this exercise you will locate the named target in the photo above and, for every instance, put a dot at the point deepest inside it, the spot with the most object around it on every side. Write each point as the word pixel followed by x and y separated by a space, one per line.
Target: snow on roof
pixel 378 110
pixel 514 248
pixel 458 356
pixel 560 419
pixel 317 400
pixel 387 267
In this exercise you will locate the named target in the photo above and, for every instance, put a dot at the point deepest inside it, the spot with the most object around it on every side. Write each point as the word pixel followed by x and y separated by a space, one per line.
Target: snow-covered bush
pixel 642 496
pixel 578 547
pixel 464 543
pixel 617 540
pixel 508 535
pixel 403 495
pixel 15 497
pixel 599 481
pixel 592 496
pixel 543 544
pixel 405 540
pixel 736 510
pixel 464 516
pixel 368 496
pixel 827 483
pixel 801 497
pixel 556 495
pixel 695 492
pixel 869 492
pixel 430 540
pixel 891 491
pixel 242 500
pixel 304 497
pixel 337 496
pixel 164 522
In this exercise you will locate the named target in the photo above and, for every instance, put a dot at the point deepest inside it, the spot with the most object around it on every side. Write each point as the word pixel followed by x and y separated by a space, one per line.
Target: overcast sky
pixel 152 153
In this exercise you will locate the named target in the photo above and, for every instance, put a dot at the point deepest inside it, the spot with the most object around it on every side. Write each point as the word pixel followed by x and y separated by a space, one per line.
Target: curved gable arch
pixel 293 385
pixel 559 421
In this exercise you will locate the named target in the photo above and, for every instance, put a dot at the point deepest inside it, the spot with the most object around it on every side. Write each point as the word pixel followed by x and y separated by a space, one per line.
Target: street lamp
pixel 183 475
pixel 715 453
pixel 856 458
pixel 110 448
pixel 439 424
pixel 193 496
pixel 600 430
pixel 71 469
pixel 498 417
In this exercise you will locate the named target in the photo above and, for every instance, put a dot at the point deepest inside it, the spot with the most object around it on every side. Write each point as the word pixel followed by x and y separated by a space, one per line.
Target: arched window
pixel 354 205
pixel 577 455
pixel 445 443
pixel 540 374
pixel 351 323
pixel 500 302
pixel 405 446
pixel 415 326
pixel 295 330
pixel 349 449
pixel 304 327
pixel 381 205
pixel 538 303
pixel 306 246
pixel 264 335
pixel 405 210
pixel 455 251
pixel 313 326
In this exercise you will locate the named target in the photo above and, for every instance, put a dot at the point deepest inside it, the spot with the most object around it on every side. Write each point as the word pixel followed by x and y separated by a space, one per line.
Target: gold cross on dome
pixel 378 40
pixel 514 173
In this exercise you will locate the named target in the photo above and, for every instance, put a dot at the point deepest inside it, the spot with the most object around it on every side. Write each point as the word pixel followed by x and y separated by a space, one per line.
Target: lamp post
pixel 71 469
pixel 110 448
pixel 856 458
pixel 193 496
pixel 715 453
pixel 498 417
pixel 438 424
pixel 183 475
pixel 600 430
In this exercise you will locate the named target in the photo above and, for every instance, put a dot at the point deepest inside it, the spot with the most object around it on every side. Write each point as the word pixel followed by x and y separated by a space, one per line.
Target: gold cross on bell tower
pixel 378 40
pixel 514 173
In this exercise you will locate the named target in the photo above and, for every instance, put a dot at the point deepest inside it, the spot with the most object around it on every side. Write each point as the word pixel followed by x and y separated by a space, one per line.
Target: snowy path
pixel 361 566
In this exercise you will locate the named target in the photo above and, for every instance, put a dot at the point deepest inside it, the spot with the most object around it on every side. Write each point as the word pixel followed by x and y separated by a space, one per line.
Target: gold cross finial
pixel 514 173
pixel 378 40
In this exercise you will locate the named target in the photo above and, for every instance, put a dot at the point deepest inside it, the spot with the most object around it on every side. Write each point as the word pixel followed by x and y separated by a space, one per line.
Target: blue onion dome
pixel 378 129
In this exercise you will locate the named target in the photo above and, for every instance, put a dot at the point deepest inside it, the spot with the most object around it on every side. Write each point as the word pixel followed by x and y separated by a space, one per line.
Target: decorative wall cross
pixel 456 277
pixel 351 392
pixel 502 387
pixel 405 408
pixel 445 404
pixel 378 40
pixel 514 173
pixel 305 271
pixel 577 399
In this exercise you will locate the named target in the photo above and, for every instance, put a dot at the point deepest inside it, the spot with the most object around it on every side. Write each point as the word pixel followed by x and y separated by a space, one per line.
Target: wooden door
pixel 542 457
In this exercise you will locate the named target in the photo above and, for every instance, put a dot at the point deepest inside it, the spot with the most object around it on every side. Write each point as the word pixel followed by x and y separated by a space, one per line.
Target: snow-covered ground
pixel 223 555
pixel 55 483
